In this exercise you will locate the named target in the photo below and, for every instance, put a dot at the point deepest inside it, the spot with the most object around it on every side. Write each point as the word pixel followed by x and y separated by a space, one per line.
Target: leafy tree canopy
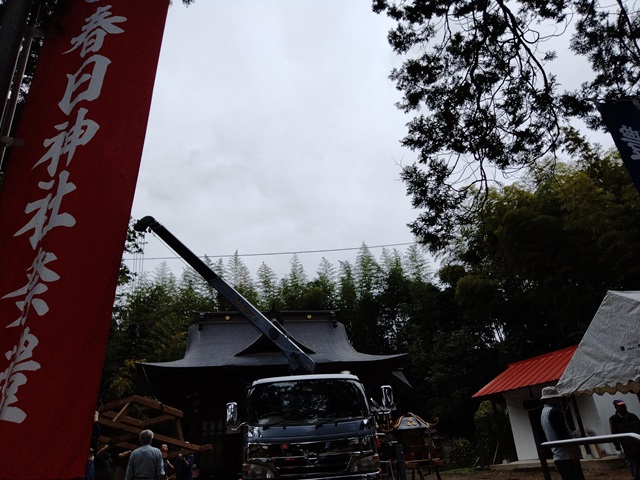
pixel 479 76
pixel 542 253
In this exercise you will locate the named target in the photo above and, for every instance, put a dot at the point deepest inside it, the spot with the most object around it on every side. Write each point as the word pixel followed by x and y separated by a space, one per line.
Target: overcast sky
pixel 273 129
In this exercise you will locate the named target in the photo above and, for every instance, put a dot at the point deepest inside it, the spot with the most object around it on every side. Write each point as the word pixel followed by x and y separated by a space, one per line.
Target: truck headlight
pixel 254 470
pixel 370 463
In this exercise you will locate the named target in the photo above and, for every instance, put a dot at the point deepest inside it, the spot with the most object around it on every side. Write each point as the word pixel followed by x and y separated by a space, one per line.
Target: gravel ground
pixel 529 474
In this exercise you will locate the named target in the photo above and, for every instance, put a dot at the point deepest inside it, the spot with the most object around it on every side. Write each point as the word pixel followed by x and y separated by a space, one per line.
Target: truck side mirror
pixel 231 420
pixel 387 397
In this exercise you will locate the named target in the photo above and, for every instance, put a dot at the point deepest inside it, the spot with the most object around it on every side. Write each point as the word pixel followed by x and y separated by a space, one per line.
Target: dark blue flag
pixel 622 119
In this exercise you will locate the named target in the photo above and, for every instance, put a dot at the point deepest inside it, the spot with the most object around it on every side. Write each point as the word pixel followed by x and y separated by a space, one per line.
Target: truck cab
pixel 307 427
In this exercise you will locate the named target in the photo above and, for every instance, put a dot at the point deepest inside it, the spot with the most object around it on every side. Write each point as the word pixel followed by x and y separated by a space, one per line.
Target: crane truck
pixel 302 426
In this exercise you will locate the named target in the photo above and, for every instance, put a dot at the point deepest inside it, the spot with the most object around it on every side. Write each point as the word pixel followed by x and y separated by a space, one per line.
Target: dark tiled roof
pixel 225 354
pixel 234 342
pixel 532 371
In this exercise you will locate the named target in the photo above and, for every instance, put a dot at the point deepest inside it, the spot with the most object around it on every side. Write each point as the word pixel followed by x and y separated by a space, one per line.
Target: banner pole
pixel 12 102
pixel 12 28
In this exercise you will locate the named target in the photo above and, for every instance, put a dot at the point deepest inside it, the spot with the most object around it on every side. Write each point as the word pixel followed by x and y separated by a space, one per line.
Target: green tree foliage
pixel 462 453
pixel 395 305
pixel 364 331
pixel 459 364
pixel 480 78
pixel 321 290
pixel 524 278
pixel 239 277
pixel 293 286
pixel 267 287
pixel 416 264
pixel 194 281
pixel 493 433
pixel 133 245
pixel 540 256
pixel 347 303
pixel 149 325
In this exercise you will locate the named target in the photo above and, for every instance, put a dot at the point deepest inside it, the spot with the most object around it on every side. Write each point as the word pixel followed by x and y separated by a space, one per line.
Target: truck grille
pixel 312 464
pixel 299 460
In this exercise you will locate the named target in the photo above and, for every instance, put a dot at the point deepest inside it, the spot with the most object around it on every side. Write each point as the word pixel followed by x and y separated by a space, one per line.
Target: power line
pixel 271 254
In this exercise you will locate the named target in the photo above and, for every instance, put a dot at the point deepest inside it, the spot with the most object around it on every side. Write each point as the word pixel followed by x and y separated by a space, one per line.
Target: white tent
pixel 608 357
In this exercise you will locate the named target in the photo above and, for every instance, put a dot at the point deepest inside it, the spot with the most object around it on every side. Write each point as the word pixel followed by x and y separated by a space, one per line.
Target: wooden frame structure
pixel 119 417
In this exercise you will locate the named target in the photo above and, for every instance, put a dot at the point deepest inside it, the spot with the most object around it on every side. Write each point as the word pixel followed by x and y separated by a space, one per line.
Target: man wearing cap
pixel 625 422
pixel 565 458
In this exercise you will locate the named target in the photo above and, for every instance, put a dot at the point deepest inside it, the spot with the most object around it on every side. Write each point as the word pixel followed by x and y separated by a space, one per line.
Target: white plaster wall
pixel 594 410
pixel 520 424
pixel 597 409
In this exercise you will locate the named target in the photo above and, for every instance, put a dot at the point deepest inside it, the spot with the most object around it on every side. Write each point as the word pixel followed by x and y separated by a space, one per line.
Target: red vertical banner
pixel 64 211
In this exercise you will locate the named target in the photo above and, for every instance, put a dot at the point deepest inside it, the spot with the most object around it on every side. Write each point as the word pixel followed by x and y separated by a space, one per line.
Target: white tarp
pixel 608 357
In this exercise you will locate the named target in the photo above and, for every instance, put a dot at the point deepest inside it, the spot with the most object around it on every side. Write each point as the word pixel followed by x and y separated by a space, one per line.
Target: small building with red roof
pixel 521 385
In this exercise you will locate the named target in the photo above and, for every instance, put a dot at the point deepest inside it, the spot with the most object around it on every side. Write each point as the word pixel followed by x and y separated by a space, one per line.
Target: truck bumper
pixel 355 476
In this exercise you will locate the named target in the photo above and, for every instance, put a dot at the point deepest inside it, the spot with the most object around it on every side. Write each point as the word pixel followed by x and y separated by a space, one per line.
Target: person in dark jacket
pixel 184 466
pixel 624 421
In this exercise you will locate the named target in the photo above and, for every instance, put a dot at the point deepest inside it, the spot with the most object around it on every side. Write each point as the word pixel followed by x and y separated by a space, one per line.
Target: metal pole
pixel 574 403
pixel 543 463
pixel 12 28
pixel 12 101
pixel 591 440
pixel 541 456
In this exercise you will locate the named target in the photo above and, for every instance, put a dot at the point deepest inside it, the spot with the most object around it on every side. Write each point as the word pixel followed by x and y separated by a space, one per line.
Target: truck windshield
pixel 306 401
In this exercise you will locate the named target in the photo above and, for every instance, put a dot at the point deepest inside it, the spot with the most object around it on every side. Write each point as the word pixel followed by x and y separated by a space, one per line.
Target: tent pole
pixel 541 454
pixel 576 411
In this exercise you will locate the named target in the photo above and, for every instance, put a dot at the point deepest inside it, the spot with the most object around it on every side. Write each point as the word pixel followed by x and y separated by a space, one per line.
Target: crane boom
pixel 299 361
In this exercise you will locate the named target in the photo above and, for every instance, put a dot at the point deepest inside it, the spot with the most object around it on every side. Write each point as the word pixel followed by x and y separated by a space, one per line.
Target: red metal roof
pixel 532 371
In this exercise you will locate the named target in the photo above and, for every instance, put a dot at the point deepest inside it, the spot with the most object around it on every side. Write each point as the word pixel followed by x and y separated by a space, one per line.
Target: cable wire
pixel 271 254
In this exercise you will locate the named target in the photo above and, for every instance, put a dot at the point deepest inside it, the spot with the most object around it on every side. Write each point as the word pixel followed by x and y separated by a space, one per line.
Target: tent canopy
pixel 607 359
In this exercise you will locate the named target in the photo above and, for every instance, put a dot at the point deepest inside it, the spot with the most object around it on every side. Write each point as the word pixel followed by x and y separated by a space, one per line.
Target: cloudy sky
pixel 273 129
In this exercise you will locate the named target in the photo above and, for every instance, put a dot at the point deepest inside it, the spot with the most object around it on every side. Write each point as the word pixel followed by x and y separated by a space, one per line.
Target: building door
pixel 534 408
